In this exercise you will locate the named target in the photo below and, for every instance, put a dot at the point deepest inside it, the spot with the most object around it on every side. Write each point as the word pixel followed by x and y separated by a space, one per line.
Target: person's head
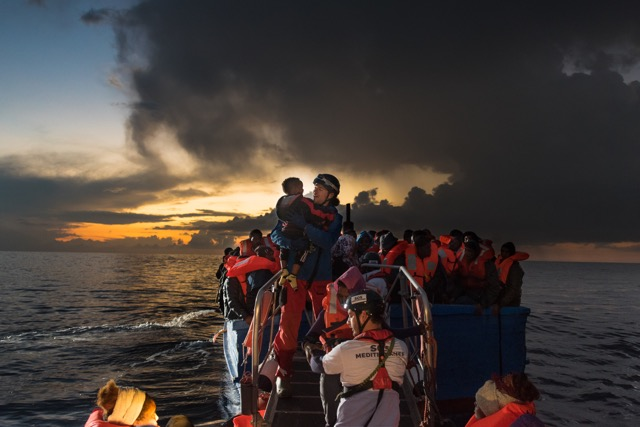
pixel 366 311
pixel 292 185
pixel 345 246
pixel 406 236
pixel 349 282
pixel 378 234
pixel 422 242
pixel 265 252
pixel 133 407
pixel 107 396
pixel 179 421
pixel 326 189
pixel 471 249
pixel 507 250
pixel 255 237
pixel 227 251
pixel 457 233
pixel 370 258
pixel 455 243
pixel 387 241
pixel 498 392
pixel 364 241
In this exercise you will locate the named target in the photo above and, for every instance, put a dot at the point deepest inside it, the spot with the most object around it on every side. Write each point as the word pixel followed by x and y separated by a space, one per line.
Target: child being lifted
pixel 296 211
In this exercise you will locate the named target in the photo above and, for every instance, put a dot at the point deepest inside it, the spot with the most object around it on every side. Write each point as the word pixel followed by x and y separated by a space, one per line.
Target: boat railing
pixel 415 308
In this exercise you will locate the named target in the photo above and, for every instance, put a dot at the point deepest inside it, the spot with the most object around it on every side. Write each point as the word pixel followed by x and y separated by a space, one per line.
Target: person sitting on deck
pixel 477 280
pixel 371 366
pixel 244 280
pixel 510 274
pixel 247 246
pixel 392 253
pixel 506 401
pixel 343 255
pixel 118 406
pixel 449 251
pixel 364 241
pixel 423 263
pixel 291 204
pixel 374 276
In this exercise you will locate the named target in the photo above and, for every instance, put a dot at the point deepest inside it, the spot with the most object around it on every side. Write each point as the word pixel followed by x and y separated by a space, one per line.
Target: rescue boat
pixel 456 353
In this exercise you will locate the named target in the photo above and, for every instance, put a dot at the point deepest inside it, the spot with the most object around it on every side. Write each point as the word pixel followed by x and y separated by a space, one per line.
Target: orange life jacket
pixel 505 417
pixel 246 248
pixel 230 262
pixel 424 269
pixel 394 253
pixel 449 260
pixel 474 272
pixel 504 265
pixel 246 420
pixel 335 315
pixel 247 265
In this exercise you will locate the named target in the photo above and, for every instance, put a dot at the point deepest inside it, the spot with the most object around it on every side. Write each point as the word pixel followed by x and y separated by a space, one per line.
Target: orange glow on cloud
pixel 103 233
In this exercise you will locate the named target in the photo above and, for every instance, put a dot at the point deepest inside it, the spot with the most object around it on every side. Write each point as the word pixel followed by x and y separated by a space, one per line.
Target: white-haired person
pixel 124 406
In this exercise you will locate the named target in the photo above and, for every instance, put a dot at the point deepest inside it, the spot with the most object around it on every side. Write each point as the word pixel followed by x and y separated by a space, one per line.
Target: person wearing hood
pixel 343 255
pixel 364 243
pixel 506 401
pixel 123 406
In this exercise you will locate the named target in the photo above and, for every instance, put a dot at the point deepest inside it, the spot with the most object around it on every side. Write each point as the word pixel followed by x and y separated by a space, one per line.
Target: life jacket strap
pixel 367 385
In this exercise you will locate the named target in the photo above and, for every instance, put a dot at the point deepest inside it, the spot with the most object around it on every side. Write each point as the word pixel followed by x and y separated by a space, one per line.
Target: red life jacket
pixel 230 262
pixel 335 319
pixel 505 417
pixel 394 253
pixel 474 273
pixel 246 248
pixel 504 265
pixel 449 260
pixel 246 420
pixel 423 269
pixel 247 265
pixel 381 380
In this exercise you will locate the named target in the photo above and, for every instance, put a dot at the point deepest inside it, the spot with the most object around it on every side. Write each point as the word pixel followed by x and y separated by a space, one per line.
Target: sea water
pixel 71 321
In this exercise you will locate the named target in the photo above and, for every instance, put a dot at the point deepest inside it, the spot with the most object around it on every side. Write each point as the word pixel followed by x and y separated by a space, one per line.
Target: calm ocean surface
pixel 71 321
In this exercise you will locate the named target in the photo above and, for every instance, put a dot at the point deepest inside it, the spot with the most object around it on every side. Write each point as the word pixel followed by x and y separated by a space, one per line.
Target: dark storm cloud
pixel 28 195
pixel 33 208
pixel 98 16
pixel 238 225
pixel 472 90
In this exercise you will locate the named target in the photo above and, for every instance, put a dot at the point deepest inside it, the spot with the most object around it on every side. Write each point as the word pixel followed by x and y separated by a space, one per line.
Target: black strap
pixel 312 277
pixel 350 391
pixel 380 393
pixel 368 382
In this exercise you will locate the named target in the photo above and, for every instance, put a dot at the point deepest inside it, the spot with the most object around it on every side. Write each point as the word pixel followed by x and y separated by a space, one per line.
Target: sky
pixel 169 126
